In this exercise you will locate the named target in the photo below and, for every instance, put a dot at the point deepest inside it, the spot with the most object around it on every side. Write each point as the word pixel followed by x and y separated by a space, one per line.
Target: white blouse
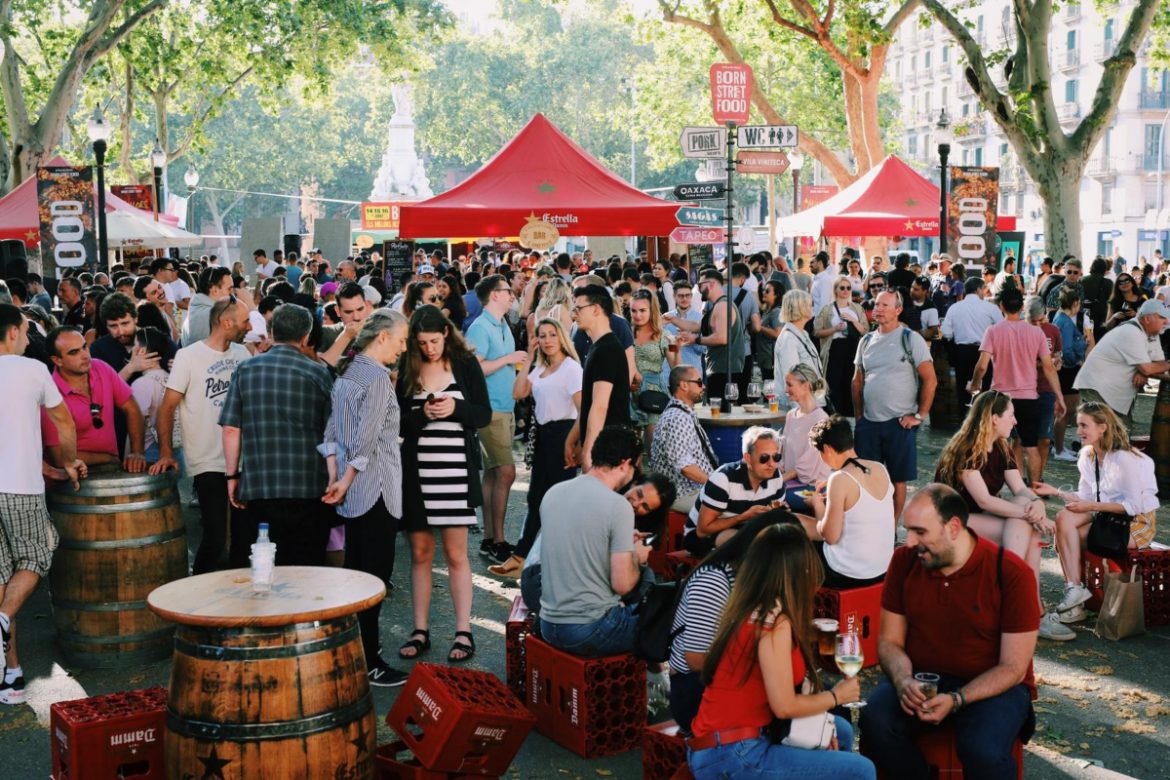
pixel 554 393
pixel 1127 478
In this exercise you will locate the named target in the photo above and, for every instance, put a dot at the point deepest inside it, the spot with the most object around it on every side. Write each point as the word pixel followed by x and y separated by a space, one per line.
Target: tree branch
pixel 780 20
pixel 114 37
pixel 891 26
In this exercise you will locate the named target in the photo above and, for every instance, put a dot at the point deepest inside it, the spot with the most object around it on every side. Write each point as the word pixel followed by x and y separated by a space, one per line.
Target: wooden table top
pixel 740 417
pixel 300 594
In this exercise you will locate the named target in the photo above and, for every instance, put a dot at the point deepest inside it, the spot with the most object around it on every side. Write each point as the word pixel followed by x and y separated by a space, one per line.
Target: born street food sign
pixel 971 215
pixel 65 204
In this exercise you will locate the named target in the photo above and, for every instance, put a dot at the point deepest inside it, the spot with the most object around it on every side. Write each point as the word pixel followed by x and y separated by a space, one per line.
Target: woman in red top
pixel 755 668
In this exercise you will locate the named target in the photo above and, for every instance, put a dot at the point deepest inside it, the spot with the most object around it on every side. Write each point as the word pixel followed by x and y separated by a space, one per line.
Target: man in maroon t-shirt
pixel 956 606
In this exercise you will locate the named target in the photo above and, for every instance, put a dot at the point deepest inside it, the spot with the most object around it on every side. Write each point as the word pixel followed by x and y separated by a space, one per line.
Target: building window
pixel 966 157
pixel 914 63
pixel 912 144
pixel 1106 198
pixel 966 109
pixel 946 53
pixel 944 101
pixel 979 156
pixel 1005 203
pixel 1003 151
pixel 1070 40
pixel 1151 149
pixel 1070 91
pixel 1020 204
pixel 926 60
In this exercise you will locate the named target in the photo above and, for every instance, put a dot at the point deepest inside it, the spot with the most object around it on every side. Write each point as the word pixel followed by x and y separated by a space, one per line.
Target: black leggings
pixel 548 469
pixel 369 547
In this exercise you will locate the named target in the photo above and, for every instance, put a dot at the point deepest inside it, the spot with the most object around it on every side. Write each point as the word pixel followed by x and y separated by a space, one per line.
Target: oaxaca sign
pixel 65 204
pixel 380 216
pixel 731 93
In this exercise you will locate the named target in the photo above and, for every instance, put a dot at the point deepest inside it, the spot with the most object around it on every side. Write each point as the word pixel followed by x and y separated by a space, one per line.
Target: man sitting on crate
pixel 590 553
pixel 959 607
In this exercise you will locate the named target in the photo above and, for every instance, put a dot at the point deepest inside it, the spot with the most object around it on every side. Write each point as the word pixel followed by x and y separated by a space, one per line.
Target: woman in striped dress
pixel 442 391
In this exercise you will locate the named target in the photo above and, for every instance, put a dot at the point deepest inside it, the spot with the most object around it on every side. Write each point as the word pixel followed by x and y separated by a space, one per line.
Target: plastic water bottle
pixel 263 561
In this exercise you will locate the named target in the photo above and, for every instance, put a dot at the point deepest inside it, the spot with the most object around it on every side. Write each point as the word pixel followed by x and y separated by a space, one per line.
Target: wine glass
pixel 753 392
pixel 769 389
pixel 850 658
pixel 731 393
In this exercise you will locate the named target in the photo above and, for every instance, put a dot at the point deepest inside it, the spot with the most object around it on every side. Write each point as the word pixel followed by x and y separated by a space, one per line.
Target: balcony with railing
pixel 1102 166
pixel 1151 163
pixel 1011 175
pixel 1069 59
pixel 1154 99
pixel 1068 112
pixel 1105 49
pixel 970 129
pixel 1072 12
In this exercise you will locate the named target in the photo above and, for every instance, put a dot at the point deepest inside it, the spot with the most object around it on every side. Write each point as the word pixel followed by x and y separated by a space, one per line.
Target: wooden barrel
pixel 121 536
pixel 945 412
pixel 1159 447
pixel 270 702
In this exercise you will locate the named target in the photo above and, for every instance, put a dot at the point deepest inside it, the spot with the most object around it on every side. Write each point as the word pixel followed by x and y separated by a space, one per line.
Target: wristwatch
pixel 918 417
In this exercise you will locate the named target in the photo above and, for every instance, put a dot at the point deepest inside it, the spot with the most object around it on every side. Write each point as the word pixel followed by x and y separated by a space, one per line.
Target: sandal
pixel 419 647
pixel 467 648
pixel 509 568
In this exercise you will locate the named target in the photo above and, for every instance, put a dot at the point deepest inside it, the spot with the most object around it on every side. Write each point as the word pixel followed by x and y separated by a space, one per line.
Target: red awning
pixel 540 174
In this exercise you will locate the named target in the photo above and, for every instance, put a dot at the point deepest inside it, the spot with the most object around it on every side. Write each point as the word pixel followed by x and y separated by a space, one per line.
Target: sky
pixel 480 11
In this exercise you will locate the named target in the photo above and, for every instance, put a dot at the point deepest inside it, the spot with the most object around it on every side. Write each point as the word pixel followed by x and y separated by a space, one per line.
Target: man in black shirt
pixel 901 277
pixel 605 385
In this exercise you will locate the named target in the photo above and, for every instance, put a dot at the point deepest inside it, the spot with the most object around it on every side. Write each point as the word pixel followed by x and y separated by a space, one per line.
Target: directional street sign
pixel 766 136
pixel 761 162
pixel 705 191
pixel 690 234
pixel 697 215
pixel 703 142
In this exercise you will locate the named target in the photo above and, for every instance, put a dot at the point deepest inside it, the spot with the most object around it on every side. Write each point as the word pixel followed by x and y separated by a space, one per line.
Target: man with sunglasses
pixel 165 271
pixel 92 391
pixel 1071 280
pixel 680 449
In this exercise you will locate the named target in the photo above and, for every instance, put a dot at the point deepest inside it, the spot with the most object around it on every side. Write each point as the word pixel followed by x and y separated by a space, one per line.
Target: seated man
pixel 680 448
pixel 960 607
pixel 593 554
pixel 737 492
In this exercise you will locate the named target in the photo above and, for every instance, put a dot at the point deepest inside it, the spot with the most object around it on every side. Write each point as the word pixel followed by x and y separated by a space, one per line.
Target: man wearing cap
pixel 426 273
pixel 1124 360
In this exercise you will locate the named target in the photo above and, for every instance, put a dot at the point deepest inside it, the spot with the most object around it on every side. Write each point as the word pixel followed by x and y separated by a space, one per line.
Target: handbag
pixel 652 401
pixel 1109 533
pixel 1122 610
pixel 810 732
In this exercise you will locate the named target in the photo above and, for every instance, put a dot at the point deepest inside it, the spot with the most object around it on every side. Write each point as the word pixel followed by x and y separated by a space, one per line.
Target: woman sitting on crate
pixel 1116 479
pixel 855 523
pixel 802 465
pixel 761 661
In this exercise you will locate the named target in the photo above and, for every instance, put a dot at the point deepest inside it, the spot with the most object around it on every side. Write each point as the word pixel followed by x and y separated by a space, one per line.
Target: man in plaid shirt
pixel 273 418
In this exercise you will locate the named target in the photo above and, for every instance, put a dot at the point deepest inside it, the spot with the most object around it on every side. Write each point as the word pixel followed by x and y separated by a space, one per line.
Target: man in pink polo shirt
pixel 92 390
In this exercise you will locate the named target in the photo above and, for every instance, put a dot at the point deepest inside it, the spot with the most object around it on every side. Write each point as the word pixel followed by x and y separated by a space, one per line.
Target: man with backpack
pixel 893 388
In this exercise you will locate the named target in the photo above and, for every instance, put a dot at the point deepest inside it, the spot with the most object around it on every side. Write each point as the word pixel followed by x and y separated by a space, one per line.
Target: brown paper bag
pixel 1122 612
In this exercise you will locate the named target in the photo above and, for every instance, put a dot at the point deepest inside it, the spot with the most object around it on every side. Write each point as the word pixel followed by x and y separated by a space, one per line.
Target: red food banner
pixel 139 196
pixel 380 216
pixel 731 93
pixel 65 205
pixel 815 194
pixel 971 215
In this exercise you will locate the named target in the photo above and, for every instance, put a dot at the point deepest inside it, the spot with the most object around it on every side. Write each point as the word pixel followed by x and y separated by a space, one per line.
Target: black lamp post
pixel 944 150
pixel 795 162
pixel 191 179
pixel 158 158
pixel 99 132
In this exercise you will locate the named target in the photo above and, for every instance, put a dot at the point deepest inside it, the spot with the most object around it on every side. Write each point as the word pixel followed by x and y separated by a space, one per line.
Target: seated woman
pixel 801 464
pixel 855 523
pixel 763 652
pixel 1115 477
pixel 704 595
pixel 978 462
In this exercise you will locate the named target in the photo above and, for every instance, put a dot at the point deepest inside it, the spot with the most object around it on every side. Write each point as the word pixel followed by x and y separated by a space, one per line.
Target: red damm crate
pixel 1154 567
pixel 938 748
pixel 679 564
pixel 459 720
pixel 592 706
pixel 856 609
pixel 392 762
pixel 671 542
pixel 520 624
pixel 119 735
pixel 663 751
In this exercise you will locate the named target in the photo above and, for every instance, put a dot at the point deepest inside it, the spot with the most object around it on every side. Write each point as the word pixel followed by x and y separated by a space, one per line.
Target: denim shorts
pixel 1047 416
pixel 891 445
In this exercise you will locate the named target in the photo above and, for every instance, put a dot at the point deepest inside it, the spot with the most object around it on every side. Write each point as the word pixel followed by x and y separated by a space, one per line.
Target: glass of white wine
pixel 850 658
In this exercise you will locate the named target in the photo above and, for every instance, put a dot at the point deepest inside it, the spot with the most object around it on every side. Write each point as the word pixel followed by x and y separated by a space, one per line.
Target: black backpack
pixel 656 609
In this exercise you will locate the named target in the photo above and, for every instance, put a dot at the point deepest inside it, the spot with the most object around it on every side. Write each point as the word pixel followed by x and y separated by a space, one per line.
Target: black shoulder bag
pixel 1109 533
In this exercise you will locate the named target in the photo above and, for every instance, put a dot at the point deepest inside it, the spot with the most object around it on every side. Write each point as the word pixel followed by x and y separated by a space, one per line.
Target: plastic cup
pixel 714 412
pixel 826 635
pixel 927 683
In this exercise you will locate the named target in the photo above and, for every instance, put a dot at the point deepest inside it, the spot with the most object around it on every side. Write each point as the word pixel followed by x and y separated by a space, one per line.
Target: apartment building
pixel 1125 194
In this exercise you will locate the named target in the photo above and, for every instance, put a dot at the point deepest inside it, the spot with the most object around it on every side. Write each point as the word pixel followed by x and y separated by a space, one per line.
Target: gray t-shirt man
pixel 583 523
pixel 891 378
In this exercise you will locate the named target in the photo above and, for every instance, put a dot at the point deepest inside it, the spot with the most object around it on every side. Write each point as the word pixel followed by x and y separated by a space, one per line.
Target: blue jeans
pixel 613 634
pixel 760 758
pixel 984 733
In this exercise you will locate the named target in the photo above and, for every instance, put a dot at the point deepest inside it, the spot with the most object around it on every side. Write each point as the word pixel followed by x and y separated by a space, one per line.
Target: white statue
pixel 401 173
pixel 403 104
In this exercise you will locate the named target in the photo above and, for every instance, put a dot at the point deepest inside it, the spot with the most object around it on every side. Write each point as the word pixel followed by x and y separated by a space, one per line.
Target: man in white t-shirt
pixel 197 386
pixel 27 536
pixel 264 267
pixel 1124 360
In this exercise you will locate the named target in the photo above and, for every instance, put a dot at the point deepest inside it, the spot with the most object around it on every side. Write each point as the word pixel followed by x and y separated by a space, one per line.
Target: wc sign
pixel 731 93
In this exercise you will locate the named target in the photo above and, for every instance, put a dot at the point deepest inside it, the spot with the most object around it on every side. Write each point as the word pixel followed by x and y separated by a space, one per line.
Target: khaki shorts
pixel 496 441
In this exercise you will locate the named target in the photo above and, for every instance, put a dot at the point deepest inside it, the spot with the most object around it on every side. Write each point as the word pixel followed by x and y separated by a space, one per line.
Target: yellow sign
pixel 538 234
pixel 364 242
pixel 380 216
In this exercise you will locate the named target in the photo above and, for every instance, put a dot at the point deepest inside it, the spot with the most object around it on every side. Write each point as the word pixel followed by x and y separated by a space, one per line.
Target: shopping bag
pixel 1122 612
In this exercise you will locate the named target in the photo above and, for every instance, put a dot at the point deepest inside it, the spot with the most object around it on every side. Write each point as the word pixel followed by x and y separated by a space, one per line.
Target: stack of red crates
pixel 519 626
pixel 672 540
pixel 457 723
pixel 855 609
pixel 112 736
pixel 663 751
pixel 592 706
pixel 1154 567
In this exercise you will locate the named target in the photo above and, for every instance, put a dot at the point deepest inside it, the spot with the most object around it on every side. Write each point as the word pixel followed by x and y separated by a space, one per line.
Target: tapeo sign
pixel 972 215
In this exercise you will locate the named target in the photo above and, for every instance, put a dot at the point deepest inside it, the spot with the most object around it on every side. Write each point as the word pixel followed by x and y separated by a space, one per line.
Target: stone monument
pixel 401 174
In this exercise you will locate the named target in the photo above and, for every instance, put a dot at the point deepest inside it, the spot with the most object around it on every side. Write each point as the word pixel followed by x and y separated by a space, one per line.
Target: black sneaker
pixel 13 692
pixel 501 552
pixel 383 676
pixel 487 548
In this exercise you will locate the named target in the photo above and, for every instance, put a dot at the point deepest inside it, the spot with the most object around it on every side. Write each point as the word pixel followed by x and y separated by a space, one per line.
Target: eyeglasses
pixel 582 308
pixel 698 382
pixel 95 413
pixel 507 290
pixel 876 287
pixel 765 458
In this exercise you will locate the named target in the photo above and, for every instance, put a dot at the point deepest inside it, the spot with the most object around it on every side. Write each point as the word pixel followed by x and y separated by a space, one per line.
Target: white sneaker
pixel 1066 455
pixel 1074 596
pixel 1055 631
pixel 1074 615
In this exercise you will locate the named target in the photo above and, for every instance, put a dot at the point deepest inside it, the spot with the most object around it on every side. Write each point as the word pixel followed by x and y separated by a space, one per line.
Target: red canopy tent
pixel 891 199
pixel 540 174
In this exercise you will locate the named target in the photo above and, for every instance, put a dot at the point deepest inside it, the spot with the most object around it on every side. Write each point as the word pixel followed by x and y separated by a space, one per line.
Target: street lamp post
pixel 943 134
pixel 629 85
pixel 99 133
pixel 158 158
pixel 795 162
pixel 191 179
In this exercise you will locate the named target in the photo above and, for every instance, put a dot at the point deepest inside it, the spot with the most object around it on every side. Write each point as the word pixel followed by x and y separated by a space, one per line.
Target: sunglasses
pixel 765 458
pixel 434 299
pixel 698 382
pixel 95 413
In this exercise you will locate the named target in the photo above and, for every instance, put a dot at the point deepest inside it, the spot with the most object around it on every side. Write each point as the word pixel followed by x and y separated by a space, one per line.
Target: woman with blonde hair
pixel 551 374
pixel 794 345
pixel 555 302
pixel 651 350
pixel 762 660
pixel 1115 478
pixel 978 463
pixel 802 465
pixel 839 325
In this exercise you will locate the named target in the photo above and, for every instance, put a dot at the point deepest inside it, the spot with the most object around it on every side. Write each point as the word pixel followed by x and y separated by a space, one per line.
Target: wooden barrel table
pixel 946 414
pixel 726 430
pixel 121 536
pixel 269 685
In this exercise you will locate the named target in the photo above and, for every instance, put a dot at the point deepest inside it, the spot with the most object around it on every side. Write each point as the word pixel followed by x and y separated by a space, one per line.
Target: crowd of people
pixel 341 407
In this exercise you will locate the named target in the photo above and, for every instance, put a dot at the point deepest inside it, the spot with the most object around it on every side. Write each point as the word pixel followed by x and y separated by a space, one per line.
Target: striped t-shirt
pixel 696 620
pixel 729 492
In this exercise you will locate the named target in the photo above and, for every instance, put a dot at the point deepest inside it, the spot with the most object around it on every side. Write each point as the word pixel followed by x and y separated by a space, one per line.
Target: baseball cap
pixel 372 296
pixel 426 268
pixel 1154 306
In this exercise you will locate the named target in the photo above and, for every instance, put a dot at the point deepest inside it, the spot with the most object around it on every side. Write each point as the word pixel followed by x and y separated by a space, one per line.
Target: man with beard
pixel 117 347
pixel 966 610
pixel 196 387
